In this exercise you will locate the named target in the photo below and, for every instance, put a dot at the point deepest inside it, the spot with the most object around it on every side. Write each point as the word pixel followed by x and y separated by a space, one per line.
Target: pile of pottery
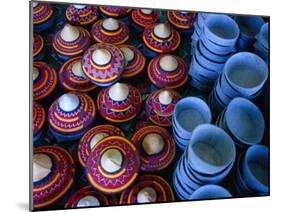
pixel 208 159
pixel 252 172
pixel 249 28
pixel 216 43
pixel 244 75
pixel 243 121
pixel 189 113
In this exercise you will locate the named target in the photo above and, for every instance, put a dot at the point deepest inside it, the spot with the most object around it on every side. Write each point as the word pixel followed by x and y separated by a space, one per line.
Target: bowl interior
pixel 246 70
pixel 222 26
pixel 192 113
pixel 245 121
pixel 213 146
pixel 258 165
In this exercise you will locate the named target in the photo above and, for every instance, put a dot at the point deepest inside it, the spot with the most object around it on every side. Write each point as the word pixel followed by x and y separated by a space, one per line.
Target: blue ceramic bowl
pixel 249 26
pixel 246 72
pixel 255 170
pixel 245 121
pixel 221 29
pixel 262 37
pixel 210 192
pixel 211 149
pixel 188 113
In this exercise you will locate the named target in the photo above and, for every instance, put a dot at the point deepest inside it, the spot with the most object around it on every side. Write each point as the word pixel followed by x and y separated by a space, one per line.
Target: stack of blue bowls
pixel 262 45
pixel 189 112
pixel 198 28
pixel 249 28
pixel 244 75
pixel 208 159
pixel 215 45
pixel 210 192
pixel 243 121
pixel 252 172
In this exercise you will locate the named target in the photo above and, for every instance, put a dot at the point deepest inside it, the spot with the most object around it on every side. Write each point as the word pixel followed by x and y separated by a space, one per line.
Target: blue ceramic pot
pixel 245 121
pixel 249 27
pixel 246 73
pixel 255 170
pixel 262 37
pixel 211 149
pixel 221 29
pixel 188 113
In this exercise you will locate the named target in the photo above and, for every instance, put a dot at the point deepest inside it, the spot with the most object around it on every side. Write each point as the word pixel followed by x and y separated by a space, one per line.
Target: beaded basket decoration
pixel 81 14
pixel 44 80
pixel 142 19
pixel 163 190
pixel 92 137
pixel 181 20
pixel 161 45
pixel 115 12
pixel 163 158
pixel 128 168
pixel 72 78
pixel 68 49
pixel 160 111
pixel 173 78
pixel 135 61
pixel 38 47
pixel 74 119
pixel 58 182
pixel 119 35
pixel 39 117
pixel 103 74
pixel 43 16
pixel 119 111
pixel 73 201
